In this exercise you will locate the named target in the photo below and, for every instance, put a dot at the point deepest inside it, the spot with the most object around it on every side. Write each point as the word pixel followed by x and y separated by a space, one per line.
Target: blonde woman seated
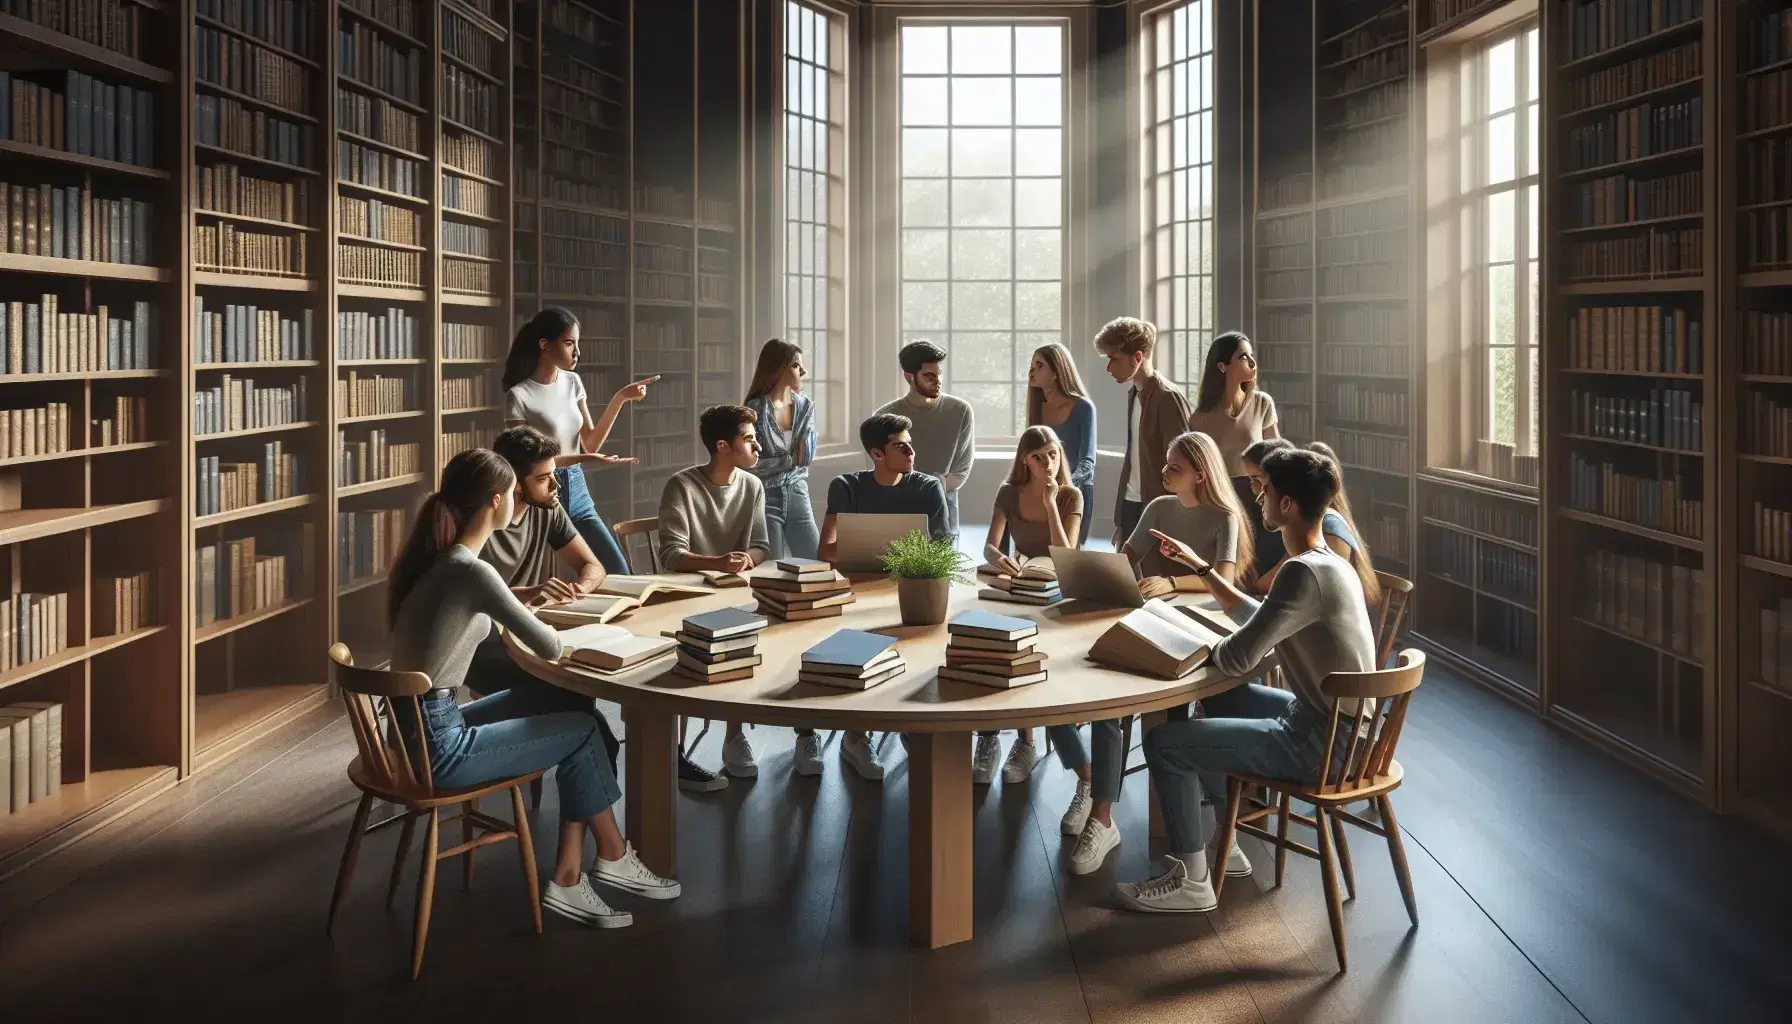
pixel 1038 508
pixel 1203 511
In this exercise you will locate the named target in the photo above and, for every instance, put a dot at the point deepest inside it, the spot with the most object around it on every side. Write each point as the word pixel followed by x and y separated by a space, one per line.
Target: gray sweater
pixel 945 436
pixel 699 518
pixel 1313 618
pixel 451 609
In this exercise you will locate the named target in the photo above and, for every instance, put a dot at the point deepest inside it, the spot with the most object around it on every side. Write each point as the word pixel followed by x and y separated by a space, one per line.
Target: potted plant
pixel 925 570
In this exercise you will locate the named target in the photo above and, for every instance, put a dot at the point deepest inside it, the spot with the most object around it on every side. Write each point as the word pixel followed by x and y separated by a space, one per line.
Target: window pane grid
pixel 1180 201
pixel 814 245
pixel 982 204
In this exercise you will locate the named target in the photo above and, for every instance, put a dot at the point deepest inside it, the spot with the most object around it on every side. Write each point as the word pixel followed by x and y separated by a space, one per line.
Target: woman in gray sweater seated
pixel 442 603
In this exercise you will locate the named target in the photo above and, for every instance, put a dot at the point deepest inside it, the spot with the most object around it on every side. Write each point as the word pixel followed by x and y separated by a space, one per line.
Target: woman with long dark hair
pixel 1056 399
pixel 542 391
pixel 1236 413
pixel 786 447
pixel 441 602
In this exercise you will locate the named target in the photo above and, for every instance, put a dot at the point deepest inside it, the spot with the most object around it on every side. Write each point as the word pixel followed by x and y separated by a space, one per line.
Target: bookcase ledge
pixel 224 627
pixel 76 453
pixel 48 825
pixel 84 56
pixel 250 431
pixel 224 723
pixel 387 483
pixel 356 586
pixel 19 263
pixel 258 282
pixel 74 656
pixel 33 523
pixel 260 508
pixel 92 163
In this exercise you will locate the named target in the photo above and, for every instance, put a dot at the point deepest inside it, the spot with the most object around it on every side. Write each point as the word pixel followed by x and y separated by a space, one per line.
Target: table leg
pixel 939 838
pixel 651 791
pixel 1156 813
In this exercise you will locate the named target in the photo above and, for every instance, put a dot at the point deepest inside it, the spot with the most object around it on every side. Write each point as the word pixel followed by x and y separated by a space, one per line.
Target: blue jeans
pixel 575 497
pixel 1088 512
pixel 790 519
pixel 495 674
pixel 1252 729
pixel 1111 741
pixel 478 743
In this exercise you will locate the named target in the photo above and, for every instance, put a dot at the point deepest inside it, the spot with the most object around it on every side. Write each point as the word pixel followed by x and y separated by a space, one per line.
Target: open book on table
pixel 609 648
pixel 1039 568
pixel 620 594
pixel 1160 639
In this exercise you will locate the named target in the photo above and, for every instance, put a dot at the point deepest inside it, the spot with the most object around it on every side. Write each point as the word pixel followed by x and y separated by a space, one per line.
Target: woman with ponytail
pixel 542 391
pixel 441 603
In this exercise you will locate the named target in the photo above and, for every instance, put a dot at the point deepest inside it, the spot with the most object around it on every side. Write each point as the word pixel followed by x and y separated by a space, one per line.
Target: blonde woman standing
pixel 1056 399
pixel 1039 508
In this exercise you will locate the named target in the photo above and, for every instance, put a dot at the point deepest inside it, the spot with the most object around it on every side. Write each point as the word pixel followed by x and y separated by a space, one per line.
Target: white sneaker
pixel 855 750
pixel 983 760
pixel 1093 845
pixel 583 904
pixel 1172 892
pixel 1077 814
pixel 808 754
pixel 629 873
pixel 1237 864
pixel 1022 757
pixel 737 757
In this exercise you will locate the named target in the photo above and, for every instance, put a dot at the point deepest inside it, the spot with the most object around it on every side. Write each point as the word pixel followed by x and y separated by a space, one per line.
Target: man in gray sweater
pixel 712 517
pixel 1315 620
pixel 941 426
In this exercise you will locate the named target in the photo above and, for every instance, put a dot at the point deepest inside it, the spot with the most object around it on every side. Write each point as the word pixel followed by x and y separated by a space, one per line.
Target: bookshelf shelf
pixel 30 378
pixel 1647 42
pixel 74 655
pixel 262 508
pixel 468 129
pixel 377 417
pixel 381 243
pixel 224 627
pixel 79 453
pixel 278 428
pixel 252 101
pixel 1620 526
pixel 238 218
pixel 378 93
pixel 1767 565
pixel 470 68
pixel 77 808
pixel 356 586
pixel 1689 283
pixel 1490 538
pixel 374 190
pixel 20 263
pixel 273 364
pixel 36 523
pixel 471 410
pixel 381 362
pixel 394 293
pixel 380 144
pixel 480 217
pixel 66 49
pixel 229 30
pixel 1633 444
pixel 220 153
pixel 351 14
pixel 225 722
pixel 91 163
pixel 385 484
pixel 257 282
pixel 1665 652
pixel 457 172
pixel 470 299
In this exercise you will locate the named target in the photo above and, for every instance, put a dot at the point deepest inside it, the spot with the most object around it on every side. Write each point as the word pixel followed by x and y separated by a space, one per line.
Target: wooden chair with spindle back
pixel 1390 617
pixel 385 769
pixel 647 528
pixel 1367 771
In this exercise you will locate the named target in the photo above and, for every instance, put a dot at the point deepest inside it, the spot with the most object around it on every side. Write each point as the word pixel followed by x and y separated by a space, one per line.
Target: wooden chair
pixel 383 770
pixel 1367 771
pixel 1390 617
pixel 647 528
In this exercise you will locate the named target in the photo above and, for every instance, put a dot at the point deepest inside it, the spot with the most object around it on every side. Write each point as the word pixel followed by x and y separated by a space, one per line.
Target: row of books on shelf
pixel 30 732
pixel 1663 417
pixel 226 247
pixel 73 112
pixel 1773 533
pixel 1776 643
pixel 388 334
pixel 1766 101
pixel 472 44
pixel 360 394
pixel 1644 598
pixel 228 486
pixel 243 333
pixel 372 264
pixel 453 442
pixel 363 165
pixel 1764 170
pixel 1387 535
pixel 233 578
pixel 1766 425
pixel 1660 504
pixel 234 63
pixel 468 100
pixel 367 541
pixel 70 222
pixel 375 218
pixel 1653 339
pixel 1501 460
pixel 463 195
pixel 576 281
pixel 1367 279
pixel 128 424
pixel 1659 253
pixel 1368 360
pixel 223 123
pixel 283 23
pixel 1622 199
pixel 125 604
pixel 468 392
pixel 39 338
pixel 1387 214
pixel 470 153
pixel 1634 77
pixel 472 341
pixel 1380 163
pixel 1348 400
pixel 467 239
pixel 375 117
pixel 1379 247
pixel 227 188
pixel 1297 423
pixel 1492 516
pixel 466 276
pixel 1599 25
pixel 1388 99
pixel 32 627
pixel 43 430
pixel 402 15
pixel 1766 239
pixel 1647 129
pixel 239 404
pixel 115 25
pixel 376 458
pixel 365 57
pixel 1374 451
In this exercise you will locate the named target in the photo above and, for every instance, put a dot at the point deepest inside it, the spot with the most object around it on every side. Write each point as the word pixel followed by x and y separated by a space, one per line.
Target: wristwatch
pixel 1203 569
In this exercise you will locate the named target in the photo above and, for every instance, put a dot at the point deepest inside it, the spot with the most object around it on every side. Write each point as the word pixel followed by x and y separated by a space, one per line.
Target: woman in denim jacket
pixel 786 447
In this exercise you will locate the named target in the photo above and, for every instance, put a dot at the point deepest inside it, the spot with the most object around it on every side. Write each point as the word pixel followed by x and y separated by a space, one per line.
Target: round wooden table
pixel 937 716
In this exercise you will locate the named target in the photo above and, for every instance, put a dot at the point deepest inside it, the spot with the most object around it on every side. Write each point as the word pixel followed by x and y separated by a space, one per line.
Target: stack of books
pixel 852 660
pixel 1036 583
pixel 801 588
pixel 718 646
pixel 1160 639
pixel 993 650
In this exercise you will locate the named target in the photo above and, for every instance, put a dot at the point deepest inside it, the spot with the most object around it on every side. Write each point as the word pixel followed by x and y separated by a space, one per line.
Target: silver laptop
pixel 861 538
pixel 1099 577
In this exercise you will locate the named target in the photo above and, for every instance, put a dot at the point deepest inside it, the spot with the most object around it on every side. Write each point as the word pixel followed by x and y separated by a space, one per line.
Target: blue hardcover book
pixel 852 648
pixel 724 623
pixel 33 335
pixel 991 626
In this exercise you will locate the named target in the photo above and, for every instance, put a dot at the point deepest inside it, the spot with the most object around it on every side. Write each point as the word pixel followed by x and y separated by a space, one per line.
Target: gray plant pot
pixel 923 602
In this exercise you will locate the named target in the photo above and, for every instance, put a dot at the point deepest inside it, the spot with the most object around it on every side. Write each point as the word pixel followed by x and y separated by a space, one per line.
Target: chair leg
pixel 466 836
pixel 535 793
pixel 404 850
pixel 1397 851
pixel 1334 906
pixel 350 853
pixel 525 842
pixel 1228 822
pixel 1343 854
pixel 426 888
pixel 1282 837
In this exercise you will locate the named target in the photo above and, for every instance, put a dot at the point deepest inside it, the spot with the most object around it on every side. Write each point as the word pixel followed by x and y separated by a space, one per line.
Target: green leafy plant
pixel 920 557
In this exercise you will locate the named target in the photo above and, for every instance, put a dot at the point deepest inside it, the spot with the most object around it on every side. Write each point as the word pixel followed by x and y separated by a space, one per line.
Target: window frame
pixel 836 428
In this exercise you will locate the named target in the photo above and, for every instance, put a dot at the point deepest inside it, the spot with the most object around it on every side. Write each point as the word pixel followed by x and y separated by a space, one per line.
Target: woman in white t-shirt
pixel 1236 413
pixel 542 391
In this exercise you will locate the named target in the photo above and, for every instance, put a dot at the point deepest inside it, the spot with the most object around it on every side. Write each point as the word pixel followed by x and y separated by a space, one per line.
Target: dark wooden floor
pixel 1554 885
